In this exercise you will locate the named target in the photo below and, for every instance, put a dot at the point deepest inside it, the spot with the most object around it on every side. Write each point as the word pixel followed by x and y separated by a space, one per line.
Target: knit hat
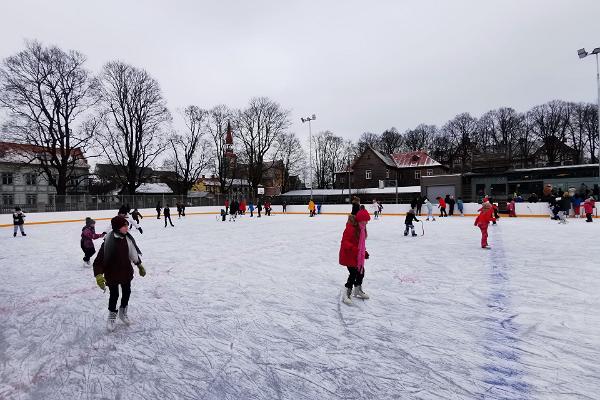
pixel 89 221
pixel 123 210
pixel 118 222
pixel 363 216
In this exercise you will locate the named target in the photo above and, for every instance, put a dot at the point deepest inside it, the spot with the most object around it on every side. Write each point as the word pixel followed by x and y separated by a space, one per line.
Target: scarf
pixel 109 244
pixel 360 264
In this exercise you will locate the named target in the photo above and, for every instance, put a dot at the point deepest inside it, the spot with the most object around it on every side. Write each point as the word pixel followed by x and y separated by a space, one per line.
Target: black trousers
pixel 158 214
pixel 443 212
pixel 114 296
pixel 284 208
pixel 451 209
pixel 355 278
pixel 88 253
pixel 169 218
pixel 589 217
pixel 419 209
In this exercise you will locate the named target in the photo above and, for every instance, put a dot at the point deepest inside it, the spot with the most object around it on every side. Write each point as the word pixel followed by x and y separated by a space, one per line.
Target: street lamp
pixel 308 119
pixel 583 54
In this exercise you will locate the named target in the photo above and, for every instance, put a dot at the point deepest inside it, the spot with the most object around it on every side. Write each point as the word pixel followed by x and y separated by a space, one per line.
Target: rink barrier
pixel 524 210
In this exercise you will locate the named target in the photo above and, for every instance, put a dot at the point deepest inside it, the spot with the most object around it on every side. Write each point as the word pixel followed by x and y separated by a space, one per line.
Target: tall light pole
pixel 309 119
pixel 583 54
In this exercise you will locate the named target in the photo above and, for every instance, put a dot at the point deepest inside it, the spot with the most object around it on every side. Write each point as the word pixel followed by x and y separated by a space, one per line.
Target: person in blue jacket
pixel 251 208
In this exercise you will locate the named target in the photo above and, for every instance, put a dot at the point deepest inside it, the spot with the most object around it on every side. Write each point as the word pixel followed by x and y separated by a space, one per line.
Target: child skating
pixel 167 215
pixel 429 210
pixel 588 208
pixel 18 221
pixel 486 214
pixel 408 222
pixel 353 254
pixel 112 268
pixel 88 235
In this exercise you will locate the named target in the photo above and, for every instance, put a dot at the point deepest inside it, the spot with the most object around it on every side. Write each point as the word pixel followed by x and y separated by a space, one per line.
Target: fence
pixel 87 202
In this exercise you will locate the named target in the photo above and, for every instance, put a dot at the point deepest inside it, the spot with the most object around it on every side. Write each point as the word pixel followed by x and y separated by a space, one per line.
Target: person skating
pixel 429 207
pixel 486 214
pixel 355 205
pixel 88 235
pixel 319 208
pixel 375 209
pixel 158 208
pixel 512 205
pixel 178 205
pixel 268 208
pixel 259 207
pixel 450 202
pixel 251 208
pixel 167 215
pixel 380 207
pixel 183 208
pixel 565 207
pixel 419 205
pixel 136 216
pixel 223 215
pixel 243 207
pixel 284 207
pixel 442 206
pixel 18 221
pixel 233 210
pixel 124 212
pixel 112 268
pixel 353 254
pixel 576 200
pixel 311 208
pixel 461 206
pixel 227 205
pixel 588 208
pixel 408 222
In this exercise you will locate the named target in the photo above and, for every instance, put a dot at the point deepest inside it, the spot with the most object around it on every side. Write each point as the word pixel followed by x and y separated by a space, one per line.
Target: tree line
pixel 52 101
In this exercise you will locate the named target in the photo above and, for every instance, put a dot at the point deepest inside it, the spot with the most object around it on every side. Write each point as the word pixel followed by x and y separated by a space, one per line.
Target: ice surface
pixel 251 310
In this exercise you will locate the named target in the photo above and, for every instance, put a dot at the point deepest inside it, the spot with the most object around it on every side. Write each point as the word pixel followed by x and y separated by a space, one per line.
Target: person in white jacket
pixel 124 212
pixel 375 209
pixel 429 210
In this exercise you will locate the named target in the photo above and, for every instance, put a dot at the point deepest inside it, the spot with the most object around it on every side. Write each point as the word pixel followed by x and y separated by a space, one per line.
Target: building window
pixel 30 179
pixel 429 172
pixel 368 174
pixel 31 199
pixel 342 179
pixel 417 174
pixel 8 199
pixel 7 178
pixel 387 174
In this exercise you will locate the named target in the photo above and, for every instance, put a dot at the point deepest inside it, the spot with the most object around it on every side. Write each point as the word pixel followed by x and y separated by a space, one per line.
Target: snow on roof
pixel 413 159
pixel 386 159
pixel 334 192
pixel 154 188
pixel 555 167
pixel 21 153
pixel 216 182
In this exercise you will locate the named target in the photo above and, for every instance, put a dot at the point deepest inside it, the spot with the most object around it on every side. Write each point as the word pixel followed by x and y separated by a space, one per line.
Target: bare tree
pixel 331 154
pixel 290 151
pixel 261 123
pixel 420 138
pixel 576 133
pixel 390 141
pixel 366 140
pixel 225 167
pixel 135 116
pixel 46 92
pixel 498 131
pixel 591 129
pixel 191 152
pixel 460 132
pixel 550 123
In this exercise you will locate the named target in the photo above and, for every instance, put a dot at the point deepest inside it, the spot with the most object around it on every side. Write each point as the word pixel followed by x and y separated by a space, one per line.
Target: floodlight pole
pixel 309 119
pixel 582 54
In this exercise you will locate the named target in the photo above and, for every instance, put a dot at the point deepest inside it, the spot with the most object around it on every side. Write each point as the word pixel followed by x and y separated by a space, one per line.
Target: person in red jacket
pixel 588 207
pixel 512 208
pixel 442 206
pixel 353 254
pixel 486 214
pixel 112 268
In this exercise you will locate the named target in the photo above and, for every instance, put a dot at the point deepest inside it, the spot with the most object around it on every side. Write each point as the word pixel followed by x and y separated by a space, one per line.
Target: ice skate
pixel 123 315
pixel 86 264
pixel 358 292
pixel 15 234
pixel 112 319
pixel 414 234
pixel 346 296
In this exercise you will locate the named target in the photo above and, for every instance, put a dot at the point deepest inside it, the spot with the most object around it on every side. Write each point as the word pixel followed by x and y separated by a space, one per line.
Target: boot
pixel 112 319
pixel 346 296
pixel 23 234
pixel 15 234
pixel 414 234
pixel 358 292
pixel 123 315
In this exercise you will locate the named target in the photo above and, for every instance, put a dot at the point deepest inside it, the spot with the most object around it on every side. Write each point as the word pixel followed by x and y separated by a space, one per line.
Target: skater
pixel 243 207
pixel 227 205
pixel 178 206
pixel 380 206
pixel 251 208
pixel 284 206
pixel 375 209
pixel 486 214
pixel 451 202
pixel 136 216
pixel 419 204
pixel 565 207
pixel 512 208
pixel 183 209
pixel 311 208
pixel 259 207
pixel 88 235
pixel 495 210
pixel 442 207
pixel 167 214
pixel 233 210
pixel 429 207
pixel 268 208
pixel 18 221
pixel 577 200
pixel 319 208
pixel 124 212
pixel 408 221
pixel 112 268
pixel 353 254
pixel 355 205
pixel 460 205
pixel 223 215
pixel 588 207
pixel 158 208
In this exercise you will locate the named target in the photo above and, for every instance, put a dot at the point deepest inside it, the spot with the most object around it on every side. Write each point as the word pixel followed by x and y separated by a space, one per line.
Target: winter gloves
pixel 141 269
pixel 100 281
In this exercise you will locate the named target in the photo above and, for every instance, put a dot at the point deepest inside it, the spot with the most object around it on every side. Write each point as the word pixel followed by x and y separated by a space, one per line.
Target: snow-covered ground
pixel 251 310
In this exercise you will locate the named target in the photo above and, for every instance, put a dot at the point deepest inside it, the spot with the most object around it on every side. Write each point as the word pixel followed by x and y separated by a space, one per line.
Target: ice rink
pixel 251 310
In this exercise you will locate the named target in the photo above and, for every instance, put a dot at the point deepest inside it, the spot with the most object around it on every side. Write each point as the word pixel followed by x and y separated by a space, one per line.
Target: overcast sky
pixel 359 65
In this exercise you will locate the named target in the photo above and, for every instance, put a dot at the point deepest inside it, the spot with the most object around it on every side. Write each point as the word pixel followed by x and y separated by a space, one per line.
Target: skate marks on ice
pixel 503 369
